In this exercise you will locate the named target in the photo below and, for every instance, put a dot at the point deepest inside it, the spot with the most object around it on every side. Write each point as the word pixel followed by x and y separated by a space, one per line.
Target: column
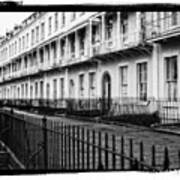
pixel 137 30
pixel 57 51
pixel 66 49
pixel 90 38
pixel 103 44
pixel 154 73
pixel 77 50
pixel 118 32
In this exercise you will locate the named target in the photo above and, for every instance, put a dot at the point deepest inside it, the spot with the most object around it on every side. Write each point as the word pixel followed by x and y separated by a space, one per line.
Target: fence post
pixel 135 164
pixel 153 156
pixel 106 151
pixel 62 146
pixel 114 151
pixel 93 149
pixel 82 147
pixel 65 147
pixel 131 152
pixel 141 155
pixel 73 147
pixel 100 166
pixel 88 149
pixel 44 122
pixel 78 148
pixel 166 159
pixel 69 134
pixel 122 153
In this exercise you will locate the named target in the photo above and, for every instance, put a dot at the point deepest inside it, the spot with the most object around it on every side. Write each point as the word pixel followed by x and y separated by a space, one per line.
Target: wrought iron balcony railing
pixel 163 27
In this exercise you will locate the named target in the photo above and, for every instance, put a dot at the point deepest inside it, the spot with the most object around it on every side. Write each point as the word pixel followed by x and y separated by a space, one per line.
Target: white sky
pixel 9 19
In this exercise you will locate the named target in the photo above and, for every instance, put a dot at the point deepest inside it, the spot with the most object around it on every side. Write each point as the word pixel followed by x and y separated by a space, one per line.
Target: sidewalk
pixel 86 121
pixel 171 129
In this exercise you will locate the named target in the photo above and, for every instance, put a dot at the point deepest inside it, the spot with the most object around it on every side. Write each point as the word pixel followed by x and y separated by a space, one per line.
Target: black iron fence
pixel 48 144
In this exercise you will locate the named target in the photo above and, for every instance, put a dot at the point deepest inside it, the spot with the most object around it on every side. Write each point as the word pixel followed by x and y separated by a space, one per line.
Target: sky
pixel 9 19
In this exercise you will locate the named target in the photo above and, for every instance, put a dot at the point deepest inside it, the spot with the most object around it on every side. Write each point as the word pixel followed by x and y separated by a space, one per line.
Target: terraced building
pixel 122 62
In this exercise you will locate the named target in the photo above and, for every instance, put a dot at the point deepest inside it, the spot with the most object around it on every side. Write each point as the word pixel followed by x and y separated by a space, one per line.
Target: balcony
pixel 163 28
pixel 131 39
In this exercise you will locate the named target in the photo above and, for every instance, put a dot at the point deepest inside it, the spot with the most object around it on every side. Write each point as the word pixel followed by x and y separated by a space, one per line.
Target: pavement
pixel 173 129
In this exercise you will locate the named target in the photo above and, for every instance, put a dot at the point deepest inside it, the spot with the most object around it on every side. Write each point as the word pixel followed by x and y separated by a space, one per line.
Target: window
pixel 31 60
pixel 96 31
pixel 47 91
pixel 142 81
pixel 37 34
pixel 32 37
pixel 92 85
pixel 72 45
pixel 15 47
pixel 56 23
pixel 34 58
pixel 123 81
pixel 48 53
pixel 26 87
pixel 36 89
pixel 71 88
pixel 50 25
pixel 22 91
pixel 27 40
pixel 81 85
pixel 54 50
pixel 41 55
pixel 124 23
pixel 31 92
pixel 73 16
pixel 174 18
pixel 42 89
pixel 109 25
pixel 62 47
pixel 63 19
pixel 25 62
pixel 23 39
pixel 42 30
pixel 62 88
pixel 19 45
pixel 82 34
pixel 167 19
pixel 171 77
pixel 55 88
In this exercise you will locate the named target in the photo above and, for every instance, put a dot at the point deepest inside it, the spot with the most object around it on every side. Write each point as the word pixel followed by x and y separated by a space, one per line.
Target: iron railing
pixel 162 26
pixel 49 144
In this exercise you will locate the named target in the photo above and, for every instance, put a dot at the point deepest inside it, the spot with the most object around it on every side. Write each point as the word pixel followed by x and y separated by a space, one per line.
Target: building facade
pixel 92 55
